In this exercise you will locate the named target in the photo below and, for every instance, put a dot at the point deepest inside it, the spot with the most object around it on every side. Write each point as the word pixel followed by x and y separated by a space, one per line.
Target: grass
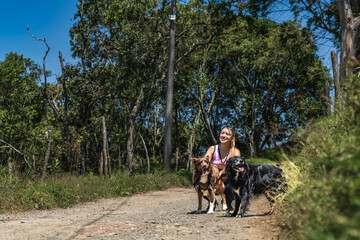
pixel 262 160
pixel 323 201
pixel 65 190
pixel 62 191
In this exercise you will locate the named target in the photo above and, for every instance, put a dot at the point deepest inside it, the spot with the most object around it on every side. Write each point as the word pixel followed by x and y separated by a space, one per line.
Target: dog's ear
pixel 230 160
pixel 194 160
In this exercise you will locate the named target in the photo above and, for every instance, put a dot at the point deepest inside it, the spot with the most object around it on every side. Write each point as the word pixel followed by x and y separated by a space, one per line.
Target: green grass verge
pixel 323 201
pixel 64 191
pixel 262 161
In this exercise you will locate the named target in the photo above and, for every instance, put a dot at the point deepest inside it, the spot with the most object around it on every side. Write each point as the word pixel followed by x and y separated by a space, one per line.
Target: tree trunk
pixel 252 144
pixel 105 155
pixel 83 150
pixel 47 153
pixel 119 157
pixel 203 112
pixel 146 153
pixel 130 143
pixel 10 167
pixel 327 107
pixel 350 30
pixel 155 131
pixel 101 164
pixel 335 67
pixel 192 139
pixel 65 116
pixel 34 161
pixel 108 158
pixel 177 159
pixel 252 129
pixel 130 148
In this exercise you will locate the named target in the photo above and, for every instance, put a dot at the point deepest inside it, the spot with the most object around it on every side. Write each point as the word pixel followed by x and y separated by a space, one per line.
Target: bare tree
pixel 350 32
pixel 105 157
pixel 60 116
pixel 146 153
pixel 47 153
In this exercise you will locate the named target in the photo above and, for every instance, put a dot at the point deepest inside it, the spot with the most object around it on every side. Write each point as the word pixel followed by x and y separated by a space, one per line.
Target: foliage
pixel 65 190
pixel 22 110
pixel 269 89
pixel 232 68
pixel 324 202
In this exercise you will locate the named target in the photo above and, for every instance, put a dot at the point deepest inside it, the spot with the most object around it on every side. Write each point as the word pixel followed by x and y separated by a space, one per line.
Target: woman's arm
pixel 210 152
pixel 236 153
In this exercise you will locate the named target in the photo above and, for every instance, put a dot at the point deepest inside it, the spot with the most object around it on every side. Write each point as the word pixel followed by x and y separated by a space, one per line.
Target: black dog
pixel 247 179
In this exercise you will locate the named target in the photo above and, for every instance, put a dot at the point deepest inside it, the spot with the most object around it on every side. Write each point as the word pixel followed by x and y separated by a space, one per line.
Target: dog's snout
pixel 240 160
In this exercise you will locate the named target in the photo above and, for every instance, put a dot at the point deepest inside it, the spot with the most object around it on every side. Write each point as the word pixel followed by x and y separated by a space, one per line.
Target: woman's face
pixel 225 135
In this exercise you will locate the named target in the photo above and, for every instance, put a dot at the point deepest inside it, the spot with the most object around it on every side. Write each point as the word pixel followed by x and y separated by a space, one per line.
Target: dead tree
pixel 350 32
pixel 47 153
pixel 60 116
pixel 104 161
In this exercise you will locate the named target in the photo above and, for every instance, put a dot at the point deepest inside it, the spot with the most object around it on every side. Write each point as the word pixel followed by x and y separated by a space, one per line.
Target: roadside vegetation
pixel 65 190
pixel 323 201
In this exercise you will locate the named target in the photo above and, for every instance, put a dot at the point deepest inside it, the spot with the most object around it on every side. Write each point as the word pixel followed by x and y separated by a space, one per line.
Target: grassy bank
pixel 66 190
pixel 323 201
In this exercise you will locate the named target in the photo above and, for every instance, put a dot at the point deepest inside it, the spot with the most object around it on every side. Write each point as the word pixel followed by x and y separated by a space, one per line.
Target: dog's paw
pixel 225 207
pixel 230 208
pixel 229 215
pixel 210 212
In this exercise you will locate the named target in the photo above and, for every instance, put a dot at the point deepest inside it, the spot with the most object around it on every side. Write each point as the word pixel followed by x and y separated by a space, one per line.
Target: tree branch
pixel 12 147
pixel 52 104
pixel 202 110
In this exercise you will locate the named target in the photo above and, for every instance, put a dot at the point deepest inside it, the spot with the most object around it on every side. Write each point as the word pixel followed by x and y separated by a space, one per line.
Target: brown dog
pixel 207 180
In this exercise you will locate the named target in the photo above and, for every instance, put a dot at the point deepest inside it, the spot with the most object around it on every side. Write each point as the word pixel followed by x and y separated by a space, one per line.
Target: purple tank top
pixel 216 158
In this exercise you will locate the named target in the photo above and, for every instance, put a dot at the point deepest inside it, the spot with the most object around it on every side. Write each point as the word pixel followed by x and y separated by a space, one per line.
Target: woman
pixel 219 154
pixel 226 149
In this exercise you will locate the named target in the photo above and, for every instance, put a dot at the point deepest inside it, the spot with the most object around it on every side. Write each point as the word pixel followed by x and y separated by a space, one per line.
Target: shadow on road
pixel 78 232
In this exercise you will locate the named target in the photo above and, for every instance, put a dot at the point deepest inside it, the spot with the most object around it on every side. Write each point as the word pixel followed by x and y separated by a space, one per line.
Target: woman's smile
pixel 225 135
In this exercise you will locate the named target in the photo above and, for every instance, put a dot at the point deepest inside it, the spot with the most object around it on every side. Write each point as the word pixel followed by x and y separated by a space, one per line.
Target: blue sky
pixel 49 19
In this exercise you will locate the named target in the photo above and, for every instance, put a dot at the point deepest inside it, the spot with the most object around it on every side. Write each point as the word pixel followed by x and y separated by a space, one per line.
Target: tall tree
pixel 350 32
pixel 273 77
pixel 22 110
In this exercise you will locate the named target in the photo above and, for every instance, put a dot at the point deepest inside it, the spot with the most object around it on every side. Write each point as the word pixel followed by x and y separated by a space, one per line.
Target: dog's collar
pixel 204 186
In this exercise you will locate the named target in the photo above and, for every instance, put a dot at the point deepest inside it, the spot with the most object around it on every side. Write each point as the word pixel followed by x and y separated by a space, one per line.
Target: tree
pixel 22 110
pixel 124 41
pixel 337 20
pixel 350 32
pixel 274 79
pixel 123 50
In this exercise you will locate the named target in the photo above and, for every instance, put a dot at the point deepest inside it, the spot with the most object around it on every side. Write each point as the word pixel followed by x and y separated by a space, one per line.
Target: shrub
pixel 64 190
pixel 324 199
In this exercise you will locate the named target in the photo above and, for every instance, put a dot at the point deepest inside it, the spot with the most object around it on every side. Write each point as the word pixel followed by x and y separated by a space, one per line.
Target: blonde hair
pixel 232 142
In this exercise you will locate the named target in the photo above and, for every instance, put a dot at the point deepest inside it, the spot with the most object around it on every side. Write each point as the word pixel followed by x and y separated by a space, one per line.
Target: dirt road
pixel 153 215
